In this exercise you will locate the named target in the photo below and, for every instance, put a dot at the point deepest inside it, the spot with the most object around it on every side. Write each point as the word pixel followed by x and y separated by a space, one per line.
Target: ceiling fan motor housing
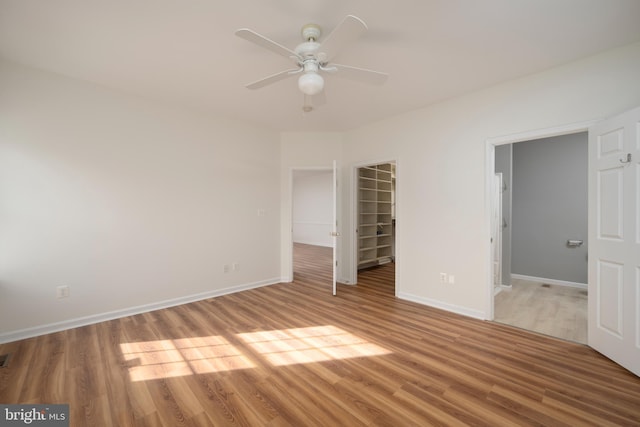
pixel 309 48
pixel 311 32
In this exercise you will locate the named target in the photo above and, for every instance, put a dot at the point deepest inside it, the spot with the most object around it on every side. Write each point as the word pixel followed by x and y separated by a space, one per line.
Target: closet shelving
pixel 375 215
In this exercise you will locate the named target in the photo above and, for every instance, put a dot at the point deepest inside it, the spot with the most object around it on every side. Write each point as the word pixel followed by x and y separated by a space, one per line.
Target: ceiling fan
pixel 313 58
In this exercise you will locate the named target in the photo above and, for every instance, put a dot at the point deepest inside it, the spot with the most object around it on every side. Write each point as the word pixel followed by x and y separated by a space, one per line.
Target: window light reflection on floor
pixel 150 360
pixel 307 345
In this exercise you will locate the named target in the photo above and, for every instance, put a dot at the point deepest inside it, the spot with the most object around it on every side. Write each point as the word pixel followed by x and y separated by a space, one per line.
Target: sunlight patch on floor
pixel 307 345
pixel 150 360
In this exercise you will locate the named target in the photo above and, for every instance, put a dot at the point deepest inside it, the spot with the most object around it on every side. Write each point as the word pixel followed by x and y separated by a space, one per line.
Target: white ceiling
pixel 185 51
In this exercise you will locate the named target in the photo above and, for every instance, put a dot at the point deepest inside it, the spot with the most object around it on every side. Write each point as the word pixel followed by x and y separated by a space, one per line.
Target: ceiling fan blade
pixel 360 74
pixel 266 43
pixel 349 30
pixel 273 78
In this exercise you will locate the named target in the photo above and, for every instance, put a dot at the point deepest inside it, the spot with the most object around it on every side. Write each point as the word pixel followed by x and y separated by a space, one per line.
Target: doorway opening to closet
pixel 376 221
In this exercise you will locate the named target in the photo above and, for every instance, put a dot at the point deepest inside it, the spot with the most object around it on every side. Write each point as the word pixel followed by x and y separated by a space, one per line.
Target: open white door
pixel 614 239
pixel 334 226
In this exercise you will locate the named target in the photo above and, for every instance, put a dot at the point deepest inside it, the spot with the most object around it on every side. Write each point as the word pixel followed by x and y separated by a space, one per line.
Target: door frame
pixel 496 227
pixel 353 238
pixel 490 149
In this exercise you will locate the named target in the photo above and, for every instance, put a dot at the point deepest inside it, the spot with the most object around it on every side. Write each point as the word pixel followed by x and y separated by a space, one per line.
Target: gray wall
pixel 550 207
pixel 503 165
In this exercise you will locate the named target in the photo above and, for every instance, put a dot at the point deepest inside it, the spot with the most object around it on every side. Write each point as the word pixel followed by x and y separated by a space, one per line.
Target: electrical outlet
pixel 235 266
pixel 443 277
pixel 226 268
pixel 62 292
pixel 452 279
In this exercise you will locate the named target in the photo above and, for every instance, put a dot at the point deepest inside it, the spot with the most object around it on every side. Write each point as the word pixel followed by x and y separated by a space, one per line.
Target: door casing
pixel 491 145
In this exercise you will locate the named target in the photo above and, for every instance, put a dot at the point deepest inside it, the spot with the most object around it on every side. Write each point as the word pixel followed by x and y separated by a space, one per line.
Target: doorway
pixel 375 214
pixel 613 230
pixel 311 225
pixel 543 221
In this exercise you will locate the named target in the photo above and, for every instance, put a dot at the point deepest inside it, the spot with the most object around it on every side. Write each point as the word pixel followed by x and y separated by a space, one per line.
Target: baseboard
pixel 116 314
pixel 476 314
pixel 549 281
pixel 286 279
pixel 315 243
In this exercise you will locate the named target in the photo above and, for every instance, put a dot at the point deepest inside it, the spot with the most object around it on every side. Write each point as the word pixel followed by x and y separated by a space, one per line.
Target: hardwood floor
pixel 293 355
pixel 312 264
pixel 558 311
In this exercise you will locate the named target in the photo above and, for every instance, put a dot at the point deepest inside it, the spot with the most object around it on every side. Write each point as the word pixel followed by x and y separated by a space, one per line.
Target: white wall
pixel 443 223
pixel 312 207
pixel 303 151
pixel 127 202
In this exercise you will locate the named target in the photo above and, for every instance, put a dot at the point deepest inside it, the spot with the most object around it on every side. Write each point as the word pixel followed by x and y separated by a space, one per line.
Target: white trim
pixel 313 243
pixel 500 288
pixel 476 314
pixel 549 281
pixel 490 162
pixel 542 133
pixel 116 314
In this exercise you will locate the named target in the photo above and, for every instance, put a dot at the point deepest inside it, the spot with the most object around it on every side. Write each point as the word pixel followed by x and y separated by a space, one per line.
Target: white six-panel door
pixel 614 239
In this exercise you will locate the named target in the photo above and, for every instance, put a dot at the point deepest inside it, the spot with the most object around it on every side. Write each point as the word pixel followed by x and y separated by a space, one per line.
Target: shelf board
pixel 376 259
pixel 375 247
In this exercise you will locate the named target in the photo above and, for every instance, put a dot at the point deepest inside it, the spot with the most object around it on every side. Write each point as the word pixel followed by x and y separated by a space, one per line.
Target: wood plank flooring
pixel 558 311
pixel 293 355
pixel 312 264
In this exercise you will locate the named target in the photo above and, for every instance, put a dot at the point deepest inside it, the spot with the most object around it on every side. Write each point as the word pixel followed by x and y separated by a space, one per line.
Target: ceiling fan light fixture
pixel 313 58
pixel 311 83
